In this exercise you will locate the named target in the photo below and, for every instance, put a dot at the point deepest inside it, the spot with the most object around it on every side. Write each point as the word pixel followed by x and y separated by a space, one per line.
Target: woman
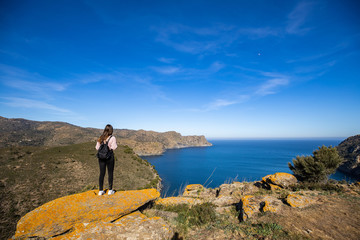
pixel 109 163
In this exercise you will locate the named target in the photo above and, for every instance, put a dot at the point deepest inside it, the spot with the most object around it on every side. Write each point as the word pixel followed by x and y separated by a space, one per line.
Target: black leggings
pixel 110 163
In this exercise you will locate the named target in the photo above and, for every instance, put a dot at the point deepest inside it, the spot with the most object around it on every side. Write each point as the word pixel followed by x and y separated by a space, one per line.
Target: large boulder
pixel 279 180
pixel 61 215
pixel 133 226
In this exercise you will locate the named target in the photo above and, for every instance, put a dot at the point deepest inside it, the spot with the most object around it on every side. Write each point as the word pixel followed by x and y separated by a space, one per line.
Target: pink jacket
pixel 112 143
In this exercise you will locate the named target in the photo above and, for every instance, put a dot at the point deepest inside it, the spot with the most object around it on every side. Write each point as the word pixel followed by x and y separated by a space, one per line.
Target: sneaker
pixel 111 192
pixel 101 192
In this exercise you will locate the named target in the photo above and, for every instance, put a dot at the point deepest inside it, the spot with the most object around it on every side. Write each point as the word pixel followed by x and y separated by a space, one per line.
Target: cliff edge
pixel 277 207
pixel 349 149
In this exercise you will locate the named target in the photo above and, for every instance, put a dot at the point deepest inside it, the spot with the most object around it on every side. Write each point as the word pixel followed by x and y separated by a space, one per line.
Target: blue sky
pixel 223 69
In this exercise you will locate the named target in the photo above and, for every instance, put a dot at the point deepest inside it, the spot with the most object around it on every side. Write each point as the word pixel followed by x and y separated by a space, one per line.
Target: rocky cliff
pixel 274 208
pixel 349 149
pixel 22 132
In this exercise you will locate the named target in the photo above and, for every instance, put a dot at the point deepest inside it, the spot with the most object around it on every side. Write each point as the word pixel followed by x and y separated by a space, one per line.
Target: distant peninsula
pixel 23 132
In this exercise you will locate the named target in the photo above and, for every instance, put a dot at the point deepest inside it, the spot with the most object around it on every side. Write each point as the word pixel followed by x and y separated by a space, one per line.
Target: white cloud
pixel 259 32
pixel 270 86
pixel 30 82
pixel 166 60
pixel 220 103
pixel 35 104
pixel 167 70
pixel 297 18
pixel 194 40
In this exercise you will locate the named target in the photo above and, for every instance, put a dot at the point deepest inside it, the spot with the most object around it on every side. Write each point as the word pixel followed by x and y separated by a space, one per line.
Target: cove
pixel 228 160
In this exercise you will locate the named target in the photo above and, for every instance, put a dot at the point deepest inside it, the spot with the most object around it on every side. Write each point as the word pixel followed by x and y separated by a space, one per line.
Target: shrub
pixel 318 167
pixel 201 214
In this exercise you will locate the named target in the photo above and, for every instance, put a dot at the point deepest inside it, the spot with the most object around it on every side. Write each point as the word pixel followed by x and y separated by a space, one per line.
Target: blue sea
pixel 228 160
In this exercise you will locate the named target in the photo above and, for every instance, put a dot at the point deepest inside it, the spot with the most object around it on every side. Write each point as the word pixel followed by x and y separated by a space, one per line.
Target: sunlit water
pixel 229 160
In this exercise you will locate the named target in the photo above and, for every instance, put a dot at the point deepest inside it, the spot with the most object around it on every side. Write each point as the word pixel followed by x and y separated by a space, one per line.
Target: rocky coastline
pixel 22 132
pixel 237 210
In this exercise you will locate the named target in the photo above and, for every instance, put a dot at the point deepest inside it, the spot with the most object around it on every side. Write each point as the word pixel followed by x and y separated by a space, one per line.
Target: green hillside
pixel 31 176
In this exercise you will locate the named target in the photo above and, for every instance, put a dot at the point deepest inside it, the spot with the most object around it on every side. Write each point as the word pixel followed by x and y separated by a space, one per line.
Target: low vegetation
pixel 316 168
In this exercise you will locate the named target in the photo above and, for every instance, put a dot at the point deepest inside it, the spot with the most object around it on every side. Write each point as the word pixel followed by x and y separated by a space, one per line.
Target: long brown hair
pixel 107 132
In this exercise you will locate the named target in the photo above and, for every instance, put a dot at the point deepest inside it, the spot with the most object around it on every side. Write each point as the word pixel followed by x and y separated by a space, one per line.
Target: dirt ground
pixel 334 216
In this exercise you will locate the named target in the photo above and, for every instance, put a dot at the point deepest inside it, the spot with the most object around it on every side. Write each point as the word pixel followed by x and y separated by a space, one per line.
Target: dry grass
pixel 32 176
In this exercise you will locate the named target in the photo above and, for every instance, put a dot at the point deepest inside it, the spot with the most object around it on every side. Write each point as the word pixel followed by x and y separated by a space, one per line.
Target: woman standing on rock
pixel 105 145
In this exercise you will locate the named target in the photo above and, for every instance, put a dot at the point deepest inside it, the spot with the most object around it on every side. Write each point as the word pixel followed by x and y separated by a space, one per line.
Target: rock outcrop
pixel 298 201
pixel 132 226
pixel 250 198
pixel 278 180
pixel 349 149
pixel 250 205
pixel 86 210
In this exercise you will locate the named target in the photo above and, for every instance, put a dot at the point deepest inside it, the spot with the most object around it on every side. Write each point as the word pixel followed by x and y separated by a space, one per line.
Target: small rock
pixel 298 201
pixel 193 190
pixel 199 191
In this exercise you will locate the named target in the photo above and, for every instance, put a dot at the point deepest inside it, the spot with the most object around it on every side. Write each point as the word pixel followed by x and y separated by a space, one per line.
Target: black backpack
pixel 104 151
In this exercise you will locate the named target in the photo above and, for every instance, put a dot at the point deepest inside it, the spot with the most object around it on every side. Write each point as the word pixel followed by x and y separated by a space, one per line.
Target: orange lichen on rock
pixel 298 201
pixel 274 187
pixel 268 208
pixel 176 201
pixel 264 179
pixel 248 209
pixel 282 179
pixel 278 180
pixel 62 214
pixel 190 189
pixel 132 226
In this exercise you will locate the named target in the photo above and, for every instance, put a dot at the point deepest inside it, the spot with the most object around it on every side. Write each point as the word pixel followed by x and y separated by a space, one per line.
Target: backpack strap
pixel 109 139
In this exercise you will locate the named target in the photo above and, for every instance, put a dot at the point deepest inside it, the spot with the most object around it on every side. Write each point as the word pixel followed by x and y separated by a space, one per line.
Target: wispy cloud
pixel 33 104
pixel 94 77
pixel 153 89
pixel 271 83
pixel 270 86
pixel 166 60
pixel 30 82
pixel 259 32
pixel 217 37
pixel 168 70
pixel 298 17
pixel 194 40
